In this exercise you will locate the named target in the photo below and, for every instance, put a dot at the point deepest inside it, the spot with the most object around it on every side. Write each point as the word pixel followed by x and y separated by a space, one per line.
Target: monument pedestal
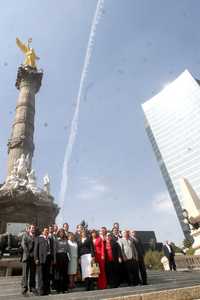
pixel 195 233
pixel 23 206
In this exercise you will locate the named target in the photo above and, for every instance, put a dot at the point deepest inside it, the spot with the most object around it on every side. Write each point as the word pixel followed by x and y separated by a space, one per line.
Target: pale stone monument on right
pixel 191 211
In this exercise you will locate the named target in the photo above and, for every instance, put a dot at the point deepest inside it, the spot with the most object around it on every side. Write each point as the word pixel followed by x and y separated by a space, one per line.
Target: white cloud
pixel 93 189
pixel 163 219
pixel 85 195
pixel 101 188
pixel 162 203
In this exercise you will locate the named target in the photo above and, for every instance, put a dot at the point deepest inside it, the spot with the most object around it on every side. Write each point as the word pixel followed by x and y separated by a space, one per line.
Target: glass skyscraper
pixel 172 123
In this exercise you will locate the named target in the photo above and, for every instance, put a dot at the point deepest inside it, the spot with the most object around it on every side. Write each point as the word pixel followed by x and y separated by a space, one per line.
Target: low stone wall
pixel 187 293
pixel 10 266
pixel 187 262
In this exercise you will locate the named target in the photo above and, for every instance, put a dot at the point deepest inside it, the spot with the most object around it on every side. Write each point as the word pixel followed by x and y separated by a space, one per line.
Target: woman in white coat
pixel 73 262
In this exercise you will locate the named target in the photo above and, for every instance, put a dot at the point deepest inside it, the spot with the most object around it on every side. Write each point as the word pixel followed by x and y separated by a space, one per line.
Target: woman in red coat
pixel 99 250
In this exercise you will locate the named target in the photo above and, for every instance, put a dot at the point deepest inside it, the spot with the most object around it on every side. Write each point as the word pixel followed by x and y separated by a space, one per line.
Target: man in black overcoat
pixel 170 254
pixel 28 262
pixel 141 253
pixel 45 256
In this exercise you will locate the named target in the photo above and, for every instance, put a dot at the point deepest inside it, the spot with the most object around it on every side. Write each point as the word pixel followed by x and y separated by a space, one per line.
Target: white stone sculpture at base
pixel 13 178
pixel 32 185
pixel 28 162
pixel 12 181
pixel 20 178
pixel 165 262
pixel 46 181
pixel 21 166
pixel 195 233
pixel 191 203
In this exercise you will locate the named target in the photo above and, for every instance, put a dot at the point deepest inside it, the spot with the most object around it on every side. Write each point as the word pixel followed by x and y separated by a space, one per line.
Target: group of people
pixel 55 258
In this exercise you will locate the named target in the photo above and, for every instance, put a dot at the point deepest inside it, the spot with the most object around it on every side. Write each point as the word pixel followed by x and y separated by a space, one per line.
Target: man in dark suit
pixel 140 251
pixel 66 229
pixel 28 263
pixel 116 234
pixel 52 237
pixel 44 255
pixel 170 254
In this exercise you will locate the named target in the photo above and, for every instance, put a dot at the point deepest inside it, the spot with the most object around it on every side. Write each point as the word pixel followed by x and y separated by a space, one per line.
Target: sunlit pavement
pixel 158 281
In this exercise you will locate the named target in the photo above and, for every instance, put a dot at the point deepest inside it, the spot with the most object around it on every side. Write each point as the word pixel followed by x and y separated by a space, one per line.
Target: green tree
pixel 176 248
pixel 187 243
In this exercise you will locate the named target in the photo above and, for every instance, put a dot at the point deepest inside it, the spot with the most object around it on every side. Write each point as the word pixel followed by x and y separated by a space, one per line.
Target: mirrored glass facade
pixel 172 122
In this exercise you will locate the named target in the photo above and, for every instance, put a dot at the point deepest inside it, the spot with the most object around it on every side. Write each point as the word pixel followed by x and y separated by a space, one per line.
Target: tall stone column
pixel 21 199
pixel 21 142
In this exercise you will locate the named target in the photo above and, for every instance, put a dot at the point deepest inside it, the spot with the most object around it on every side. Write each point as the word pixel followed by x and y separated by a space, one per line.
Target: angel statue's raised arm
pixel 22 46
pixel 30 56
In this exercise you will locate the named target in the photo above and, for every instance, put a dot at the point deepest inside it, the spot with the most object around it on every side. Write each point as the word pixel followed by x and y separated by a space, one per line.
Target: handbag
pixel 94 270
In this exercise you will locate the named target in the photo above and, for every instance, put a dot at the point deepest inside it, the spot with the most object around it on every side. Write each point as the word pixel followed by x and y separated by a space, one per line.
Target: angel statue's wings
pixel 22 46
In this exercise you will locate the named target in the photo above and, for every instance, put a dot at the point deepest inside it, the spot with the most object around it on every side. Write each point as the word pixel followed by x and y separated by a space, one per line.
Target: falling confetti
pixel 120 71
pixel 149 44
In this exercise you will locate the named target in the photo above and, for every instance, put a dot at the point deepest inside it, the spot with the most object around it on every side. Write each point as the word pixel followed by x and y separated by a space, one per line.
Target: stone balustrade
pixel 187 262
pixel 183 262
pixel 8 266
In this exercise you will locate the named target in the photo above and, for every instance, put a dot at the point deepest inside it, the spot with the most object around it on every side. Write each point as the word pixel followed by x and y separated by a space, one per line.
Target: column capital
pixel 29 75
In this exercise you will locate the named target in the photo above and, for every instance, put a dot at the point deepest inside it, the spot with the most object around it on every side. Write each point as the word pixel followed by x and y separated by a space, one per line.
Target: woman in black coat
pixel 86 257
pixel 113 259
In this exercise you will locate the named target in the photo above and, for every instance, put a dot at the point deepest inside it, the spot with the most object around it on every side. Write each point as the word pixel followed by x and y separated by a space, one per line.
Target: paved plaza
pixel 160 283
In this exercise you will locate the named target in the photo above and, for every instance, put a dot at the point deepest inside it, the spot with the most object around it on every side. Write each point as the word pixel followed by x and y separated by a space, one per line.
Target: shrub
pixel 176 248
pixel 187 243
pixel 152 260
pixel 190 251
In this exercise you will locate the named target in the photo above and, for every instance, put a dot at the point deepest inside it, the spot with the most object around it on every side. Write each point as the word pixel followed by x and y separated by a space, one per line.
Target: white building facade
pixel 172 122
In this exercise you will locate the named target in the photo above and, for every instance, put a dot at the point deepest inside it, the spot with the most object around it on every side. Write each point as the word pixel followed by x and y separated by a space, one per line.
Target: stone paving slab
pixel 163 285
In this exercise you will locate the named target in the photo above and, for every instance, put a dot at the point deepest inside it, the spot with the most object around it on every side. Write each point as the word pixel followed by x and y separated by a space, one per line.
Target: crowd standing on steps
pixel 53 259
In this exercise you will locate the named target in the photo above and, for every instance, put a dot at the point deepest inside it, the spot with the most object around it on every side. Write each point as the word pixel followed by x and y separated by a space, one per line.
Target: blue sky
pixel 141 46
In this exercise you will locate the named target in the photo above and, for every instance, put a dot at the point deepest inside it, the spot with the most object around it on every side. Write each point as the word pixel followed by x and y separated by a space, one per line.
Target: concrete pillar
pixel 28 82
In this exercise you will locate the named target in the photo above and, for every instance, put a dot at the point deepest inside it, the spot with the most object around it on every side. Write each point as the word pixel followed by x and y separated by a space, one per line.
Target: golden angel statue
pixel 30 56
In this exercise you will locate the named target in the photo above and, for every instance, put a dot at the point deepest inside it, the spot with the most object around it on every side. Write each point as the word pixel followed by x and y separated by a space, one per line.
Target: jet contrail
pixel 75 120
